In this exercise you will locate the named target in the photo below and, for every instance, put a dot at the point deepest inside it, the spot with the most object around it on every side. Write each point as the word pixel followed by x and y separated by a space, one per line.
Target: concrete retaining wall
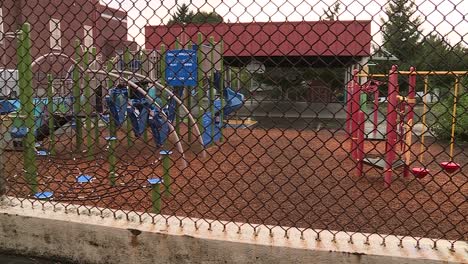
pixel 94 236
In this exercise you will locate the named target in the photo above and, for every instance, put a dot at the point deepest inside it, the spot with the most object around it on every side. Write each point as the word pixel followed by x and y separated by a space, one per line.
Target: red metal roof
pixel 306 38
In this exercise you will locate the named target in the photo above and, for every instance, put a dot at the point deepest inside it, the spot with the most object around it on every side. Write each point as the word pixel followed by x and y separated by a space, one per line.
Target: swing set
pixel 398 136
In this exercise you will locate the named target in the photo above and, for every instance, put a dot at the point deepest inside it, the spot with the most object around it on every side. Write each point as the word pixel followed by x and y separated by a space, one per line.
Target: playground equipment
pixel 126 102
pixel 399 123
pixel 212 127
pixel 399 118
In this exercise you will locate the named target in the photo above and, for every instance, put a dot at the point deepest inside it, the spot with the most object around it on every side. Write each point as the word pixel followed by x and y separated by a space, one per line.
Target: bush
pixel 443 122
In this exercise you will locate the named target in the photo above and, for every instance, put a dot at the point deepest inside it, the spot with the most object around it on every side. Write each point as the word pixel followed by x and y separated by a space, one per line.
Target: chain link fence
pixel 347 116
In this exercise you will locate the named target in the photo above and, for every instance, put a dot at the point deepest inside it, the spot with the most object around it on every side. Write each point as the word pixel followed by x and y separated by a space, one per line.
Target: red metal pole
pixel 376 111
pixel 355 108
pixel 391 125
pixel 360 142
pixel 349 94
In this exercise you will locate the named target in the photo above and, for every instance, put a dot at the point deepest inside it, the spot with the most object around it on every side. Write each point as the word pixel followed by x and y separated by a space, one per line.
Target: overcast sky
pixel 447 17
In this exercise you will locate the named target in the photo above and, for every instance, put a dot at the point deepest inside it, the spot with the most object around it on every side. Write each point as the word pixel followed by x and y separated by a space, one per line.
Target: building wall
pixel 109 25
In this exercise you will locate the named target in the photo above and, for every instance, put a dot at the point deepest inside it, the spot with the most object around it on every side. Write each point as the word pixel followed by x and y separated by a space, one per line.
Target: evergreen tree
pixel 401 33
pixel 332 12
pixel 182 16
pixel 205 17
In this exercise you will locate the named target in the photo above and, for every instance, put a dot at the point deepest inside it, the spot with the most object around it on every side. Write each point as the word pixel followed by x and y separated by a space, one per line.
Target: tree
pixel 182 16
pixel 202 17
pixel 401 32
pixel 332 12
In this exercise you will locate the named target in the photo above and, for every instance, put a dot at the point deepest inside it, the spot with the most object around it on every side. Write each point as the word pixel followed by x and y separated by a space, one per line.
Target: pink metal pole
pixel 360 143
pixel 349 95
pixel 355 107
pixel 391 125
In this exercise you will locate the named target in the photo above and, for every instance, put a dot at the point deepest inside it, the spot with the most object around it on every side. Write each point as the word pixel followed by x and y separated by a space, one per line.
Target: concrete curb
pixel 64 231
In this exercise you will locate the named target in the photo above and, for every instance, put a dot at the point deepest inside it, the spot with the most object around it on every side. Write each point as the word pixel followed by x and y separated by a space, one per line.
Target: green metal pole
pixel 200 91
pixel 110 83
pixel 50 111
pixel 96 118
pixel 176 92
pixel 112 159
pixel 163 74
pixel 156 197
pixel 221 96
pixel 234 80
pixel 143 58
pixel 212 90
pixel 166 162
pixel 77 97
pixel 189 104
pixel 87 107
pixel 127 59
pixel 25 77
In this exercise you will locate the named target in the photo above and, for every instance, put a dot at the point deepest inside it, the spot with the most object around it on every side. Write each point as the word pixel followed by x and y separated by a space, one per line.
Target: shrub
pixel 443 122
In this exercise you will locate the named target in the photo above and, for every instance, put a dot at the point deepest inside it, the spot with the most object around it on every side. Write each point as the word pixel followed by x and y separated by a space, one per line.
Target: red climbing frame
pixel 400 114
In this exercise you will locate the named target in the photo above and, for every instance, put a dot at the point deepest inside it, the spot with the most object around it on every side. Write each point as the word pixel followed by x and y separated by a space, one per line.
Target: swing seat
pixel 379 163
pixel 450 166
pixel 420 172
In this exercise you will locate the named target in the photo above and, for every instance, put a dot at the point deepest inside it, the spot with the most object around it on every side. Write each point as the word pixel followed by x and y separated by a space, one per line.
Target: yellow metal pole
pixel 424 129
pixel 454 119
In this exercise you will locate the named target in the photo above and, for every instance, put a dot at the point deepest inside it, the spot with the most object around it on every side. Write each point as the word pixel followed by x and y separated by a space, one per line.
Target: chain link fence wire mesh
pixel 340 115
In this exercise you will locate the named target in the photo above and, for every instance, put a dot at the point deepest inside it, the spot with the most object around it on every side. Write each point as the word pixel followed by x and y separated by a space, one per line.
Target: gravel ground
pixel 291 177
